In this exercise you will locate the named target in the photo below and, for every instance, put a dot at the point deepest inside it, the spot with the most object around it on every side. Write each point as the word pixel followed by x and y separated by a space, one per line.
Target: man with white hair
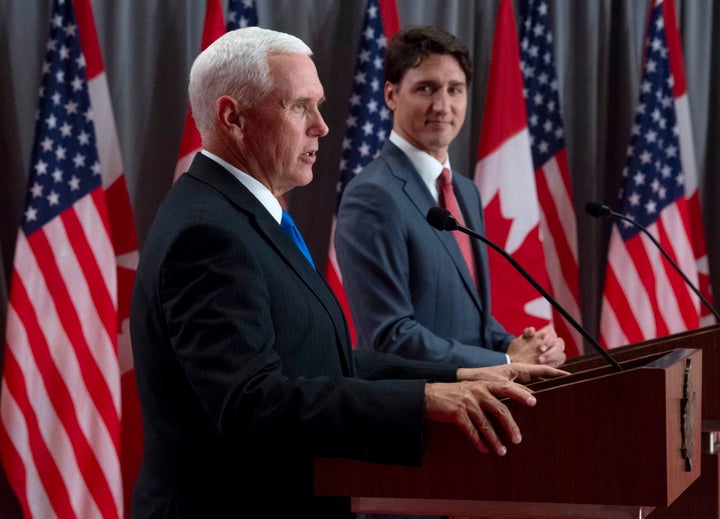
pixel 244 368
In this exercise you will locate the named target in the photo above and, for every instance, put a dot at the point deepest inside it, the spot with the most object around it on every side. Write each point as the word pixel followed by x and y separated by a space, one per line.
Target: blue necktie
pixel 288 225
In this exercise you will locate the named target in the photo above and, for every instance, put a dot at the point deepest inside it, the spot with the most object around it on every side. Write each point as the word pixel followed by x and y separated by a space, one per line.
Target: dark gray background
pixel 148 47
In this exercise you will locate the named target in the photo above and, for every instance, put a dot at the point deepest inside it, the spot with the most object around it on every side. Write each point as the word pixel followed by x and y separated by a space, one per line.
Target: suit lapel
pixel 213 174
pixel 418 194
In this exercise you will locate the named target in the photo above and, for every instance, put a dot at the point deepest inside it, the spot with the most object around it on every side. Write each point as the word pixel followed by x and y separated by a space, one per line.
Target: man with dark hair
pixel 413 290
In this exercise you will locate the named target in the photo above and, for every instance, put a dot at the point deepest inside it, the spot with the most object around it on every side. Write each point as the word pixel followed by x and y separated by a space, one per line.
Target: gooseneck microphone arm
pixel 442 219
pixel 599 210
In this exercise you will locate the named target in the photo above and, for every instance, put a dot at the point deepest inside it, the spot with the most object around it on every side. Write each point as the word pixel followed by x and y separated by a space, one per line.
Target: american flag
pixel 60 396
pixel 552 173
pixel 644 297
pixel 369 121
pixel 512 214
pixel 191 142
pixel 241 13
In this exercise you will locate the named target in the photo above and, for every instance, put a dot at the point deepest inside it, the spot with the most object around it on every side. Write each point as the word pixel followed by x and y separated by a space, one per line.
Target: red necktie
pixel 447 199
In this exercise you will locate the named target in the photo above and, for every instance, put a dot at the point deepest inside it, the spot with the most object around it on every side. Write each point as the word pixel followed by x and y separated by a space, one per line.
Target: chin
pixel 304 179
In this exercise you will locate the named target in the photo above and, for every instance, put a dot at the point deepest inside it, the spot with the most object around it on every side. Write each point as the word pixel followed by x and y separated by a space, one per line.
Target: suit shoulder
pixel 464 181
pixel 376 174
pixel 467 186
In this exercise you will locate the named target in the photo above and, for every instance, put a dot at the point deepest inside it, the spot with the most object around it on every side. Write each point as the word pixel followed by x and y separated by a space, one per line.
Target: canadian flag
pixel 505 176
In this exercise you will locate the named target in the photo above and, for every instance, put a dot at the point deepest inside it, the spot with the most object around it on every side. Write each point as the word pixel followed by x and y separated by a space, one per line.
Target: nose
pixel 318 128
pixel 441 101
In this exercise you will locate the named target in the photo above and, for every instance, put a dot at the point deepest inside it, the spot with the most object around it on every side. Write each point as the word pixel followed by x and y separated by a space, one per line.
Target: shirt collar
pixel 262 193
pixel 427 166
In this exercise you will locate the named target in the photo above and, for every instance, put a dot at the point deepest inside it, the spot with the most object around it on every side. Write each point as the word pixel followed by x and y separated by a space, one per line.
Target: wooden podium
pixel 599 443
pixel 702 499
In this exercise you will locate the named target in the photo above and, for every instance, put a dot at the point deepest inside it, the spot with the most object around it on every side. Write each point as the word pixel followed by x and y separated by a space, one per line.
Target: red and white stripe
pixel 687 154
pixel 124 240
pixel 61 382
pixel 644 297
pixel 558 229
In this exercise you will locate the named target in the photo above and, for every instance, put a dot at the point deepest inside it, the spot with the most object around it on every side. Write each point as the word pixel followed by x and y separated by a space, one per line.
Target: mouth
pixel 309 156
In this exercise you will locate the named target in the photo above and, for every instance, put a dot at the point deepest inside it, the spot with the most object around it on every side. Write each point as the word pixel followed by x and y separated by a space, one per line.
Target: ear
pixel 230 116
pixel 390 91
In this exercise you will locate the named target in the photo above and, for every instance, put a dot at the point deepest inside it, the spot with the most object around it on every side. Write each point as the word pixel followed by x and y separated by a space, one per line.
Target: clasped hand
pixel 538 347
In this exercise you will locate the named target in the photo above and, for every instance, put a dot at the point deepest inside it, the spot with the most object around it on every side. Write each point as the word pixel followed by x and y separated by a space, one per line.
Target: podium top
pixel 597 437
pixel 706 339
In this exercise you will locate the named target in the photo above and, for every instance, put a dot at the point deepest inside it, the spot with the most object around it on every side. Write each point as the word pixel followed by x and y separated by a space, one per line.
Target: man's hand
pixel 515 372
pixel 538 347
pixel 469 405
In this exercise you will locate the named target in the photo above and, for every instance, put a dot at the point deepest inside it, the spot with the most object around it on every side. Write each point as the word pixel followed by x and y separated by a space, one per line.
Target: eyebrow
pixel 458 83
pixel 307 99
pixel 436 82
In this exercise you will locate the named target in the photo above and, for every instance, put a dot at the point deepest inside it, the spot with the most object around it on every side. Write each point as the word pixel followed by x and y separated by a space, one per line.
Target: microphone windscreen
pixel 597 209
pixel 441 219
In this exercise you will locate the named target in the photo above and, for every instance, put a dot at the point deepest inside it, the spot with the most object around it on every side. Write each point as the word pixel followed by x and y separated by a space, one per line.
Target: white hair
pixel 236 65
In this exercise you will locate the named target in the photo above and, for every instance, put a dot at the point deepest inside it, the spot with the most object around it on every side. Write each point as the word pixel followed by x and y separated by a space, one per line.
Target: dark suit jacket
pixel 243 365
pixel 409 289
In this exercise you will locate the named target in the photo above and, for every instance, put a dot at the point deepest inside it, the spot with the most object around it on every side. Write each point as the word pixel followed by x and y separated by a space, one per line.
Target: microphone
pixel 442 220
pixel 598 210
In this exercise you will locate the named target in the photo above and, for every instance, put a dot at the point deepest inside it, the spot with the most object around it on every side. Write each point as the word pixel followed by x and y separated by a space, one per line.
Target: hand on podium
pixel 471 402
